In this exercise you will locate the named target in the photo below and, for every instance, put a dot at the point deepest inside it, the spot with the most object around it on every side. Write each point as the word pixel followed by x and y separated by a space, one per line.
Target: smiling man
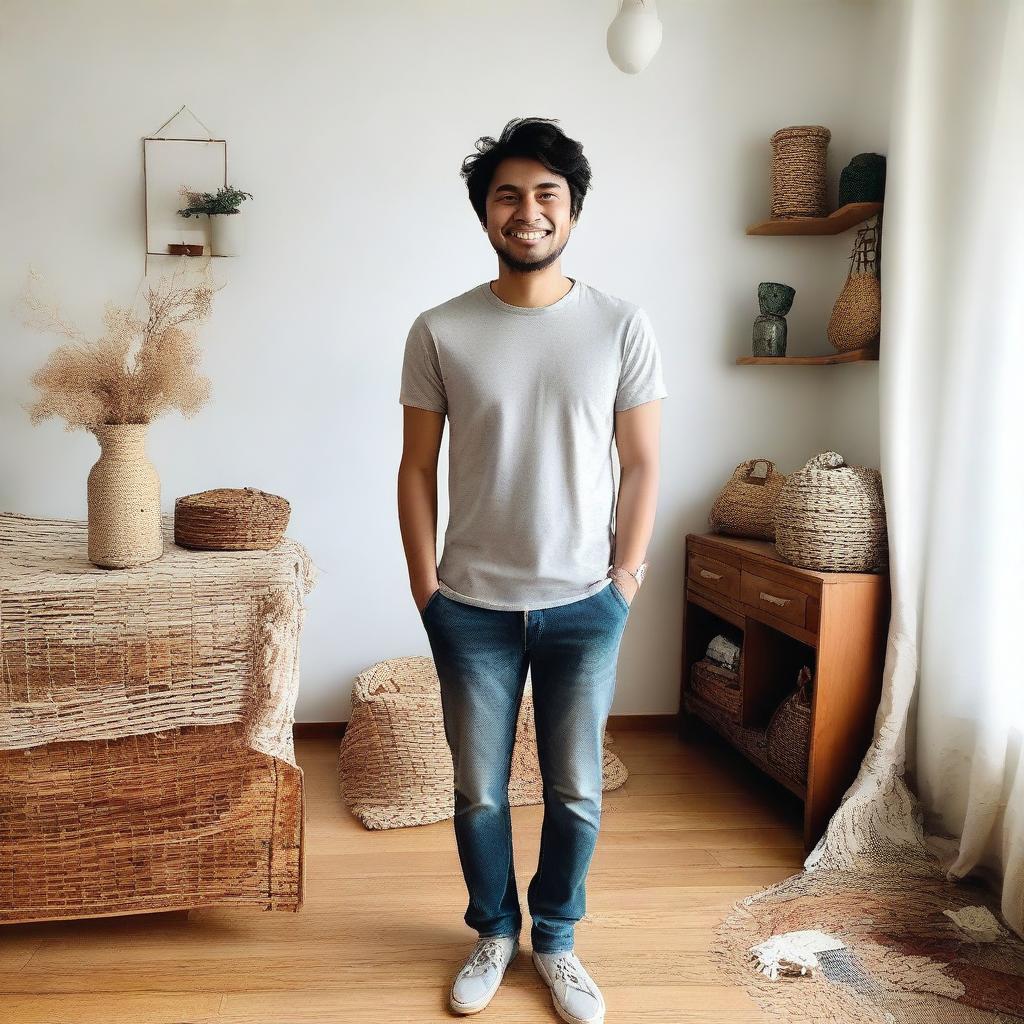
pixel 543 380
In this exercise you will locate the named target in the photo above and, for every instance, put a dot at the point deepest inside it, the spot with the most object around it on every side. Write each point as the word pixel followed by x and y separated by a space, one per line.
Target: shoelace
pixel 487 951
pixel 565 969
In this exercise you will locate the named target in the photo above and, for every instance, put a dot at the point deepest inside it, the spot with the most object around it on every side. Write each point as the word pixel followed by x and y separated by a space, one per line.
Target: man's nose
pixel 528 211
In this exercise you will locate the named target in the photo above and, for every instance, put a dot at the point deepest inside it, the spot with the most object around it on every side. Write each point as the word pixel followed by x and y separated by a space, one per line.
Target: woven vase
pixel 799 180
pixel 745 507
pixel 831 517
pixel 124 499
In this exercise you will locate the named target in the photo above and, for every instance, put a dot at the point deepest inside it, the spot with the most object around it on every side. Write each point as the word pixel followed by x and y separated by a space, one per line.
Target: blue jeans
pixel 482 656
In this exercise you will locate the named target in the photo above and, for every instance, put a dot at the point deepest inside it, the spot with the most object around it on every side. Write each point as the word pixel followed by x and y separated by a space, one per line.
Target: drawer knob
pixel 709 575
pixel 772 599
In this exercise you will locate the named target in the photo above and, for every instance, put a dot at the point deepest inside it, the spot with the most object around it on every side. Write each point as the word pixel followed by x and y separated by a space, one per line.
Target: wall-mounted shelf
pixel 856 356
pixel 835 223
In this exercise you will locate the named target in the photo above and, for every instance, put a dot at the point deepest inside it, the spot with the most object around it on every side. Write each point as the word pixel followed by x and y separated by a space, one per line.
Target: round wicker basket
pixel 746 504
pixel 799 180
pixel 831 517
pixel 230 519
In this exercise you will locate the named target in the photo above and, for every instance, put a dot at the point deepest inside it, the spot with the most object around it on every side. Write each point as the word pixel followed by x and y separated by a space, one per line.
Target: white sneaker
pixel 481 974
pixel 577 999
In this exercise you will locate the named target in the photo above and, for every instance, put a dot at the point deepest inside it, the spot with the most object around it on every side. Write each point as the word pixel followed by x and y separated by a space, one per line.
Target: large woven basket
pixel 746 504
pixel 831 517
pixel 394 764
pixel 789 731
pixel 799 180
pixel 231 519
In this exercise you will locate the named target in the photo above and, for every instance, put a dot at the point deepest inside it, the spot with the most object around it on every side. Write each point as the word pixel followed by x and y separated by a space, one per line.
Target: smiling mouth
pixel 528 236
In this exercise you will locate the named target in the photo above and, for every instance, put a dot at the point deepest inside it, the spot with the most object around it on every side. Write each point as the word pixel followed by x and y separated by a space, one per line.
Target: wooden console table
pixel 835 623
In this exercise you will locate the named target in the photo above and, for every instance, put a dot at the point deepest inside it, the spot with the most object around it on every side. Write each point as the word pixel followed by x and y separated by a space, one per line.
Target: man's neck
pixel 531 290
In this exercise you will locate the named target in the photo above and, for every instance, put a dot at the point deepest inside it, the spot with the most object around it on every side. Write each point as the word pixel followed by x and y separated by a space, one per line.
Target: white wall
pixel 348 122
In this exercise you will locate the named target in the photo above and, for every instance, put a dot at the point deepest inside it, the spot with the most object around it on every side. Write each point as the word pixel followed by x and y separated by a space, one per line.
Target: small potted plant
pixel 222 209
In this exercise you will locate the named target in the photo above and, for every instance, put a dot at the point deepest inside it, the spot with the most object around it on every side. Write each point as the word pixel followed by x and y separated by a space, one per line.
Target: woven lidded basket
pixel 717 686
pixel 746 504
pixel 799 181
pixel 831 517
pixel 394 763
pixel 230 519
pixel 789 731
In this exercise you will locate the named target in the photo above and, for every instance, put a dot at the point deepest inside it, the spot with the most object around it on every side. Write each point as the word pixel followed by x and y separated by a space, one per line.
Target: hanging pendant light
pixel 634 36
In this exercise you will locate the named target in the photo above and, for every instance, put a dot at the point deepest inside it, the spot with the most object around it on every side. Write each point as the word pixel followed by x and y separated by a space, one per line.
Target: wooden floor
pixel 381 932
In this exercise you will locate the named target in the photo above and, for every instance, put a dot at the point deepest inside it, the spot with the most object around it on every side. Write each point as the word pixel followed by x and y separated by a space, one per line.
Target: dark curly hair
pixel 535 137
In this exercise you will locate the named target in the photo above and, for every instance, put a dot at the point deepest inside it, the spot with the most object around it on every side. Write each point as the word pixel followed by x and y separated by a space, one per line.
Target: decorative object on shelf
pixel 724 652
pixel 230 519
pixel 184 249
pixel 634 36
pixel 745 506
pixel 92 385
pixel 394 765
pixel 718 687
pixel 856 318
pixel 221 207
pixel 181 150
pixel 769 335
pixel 799 182
pixel 789 731
pixel 831 517
pixel 862 180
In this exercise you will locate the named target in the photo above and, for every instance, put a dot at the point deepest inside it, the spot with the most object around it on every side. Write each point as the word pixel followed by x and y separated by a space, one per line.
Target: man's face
pixel 526 198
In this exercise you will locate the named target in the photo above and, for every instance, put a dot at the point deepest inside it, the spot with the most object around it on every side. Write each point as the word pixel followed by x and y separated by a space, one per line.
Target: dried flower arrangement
pixel 91 383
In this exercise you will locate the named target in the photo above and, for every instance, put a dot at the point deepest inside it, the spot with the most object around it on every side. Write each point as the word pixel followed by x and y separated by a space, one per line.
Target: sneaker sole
pixel 480 1004
pixel 564 1014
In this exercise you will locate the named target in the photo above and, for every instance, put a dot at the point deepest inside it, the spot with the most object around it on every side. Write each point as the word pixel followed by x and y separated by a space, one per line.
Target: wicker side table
pixel 146 756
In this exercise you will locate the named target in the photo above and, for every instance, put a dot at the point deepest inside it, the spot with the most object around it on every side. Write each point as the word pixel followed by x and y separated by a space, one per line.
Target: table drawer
pixel 773 597
pixel 720 577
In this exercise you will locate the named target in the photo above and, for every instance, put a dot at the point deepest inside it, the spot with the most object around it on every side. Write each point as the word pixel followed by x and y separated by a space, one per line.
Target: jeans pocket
pixel 430 600
pixel 619 596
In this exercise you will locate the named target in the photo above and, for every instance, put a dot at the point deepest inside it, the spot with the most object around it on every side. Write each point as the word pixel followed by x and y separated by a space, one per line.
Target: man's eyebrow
pixel 512 188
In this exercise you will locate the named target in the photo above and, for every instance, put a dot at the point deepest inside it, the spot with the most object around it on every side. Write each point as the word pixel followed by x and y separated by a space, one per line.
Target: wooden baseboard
pixel 622 723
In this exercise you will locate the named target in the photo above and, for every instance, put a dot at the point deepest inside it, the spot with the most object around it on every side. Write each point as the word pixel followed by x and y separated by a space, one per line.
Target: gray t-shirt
pixel 531 396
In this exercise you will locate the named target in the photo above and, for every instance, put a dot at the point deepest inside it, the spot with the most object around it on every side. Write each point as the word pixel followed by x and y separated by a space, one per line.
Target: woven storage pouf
pixel 831 517
pixel 394 764
pixel 745 506
pixel 231 519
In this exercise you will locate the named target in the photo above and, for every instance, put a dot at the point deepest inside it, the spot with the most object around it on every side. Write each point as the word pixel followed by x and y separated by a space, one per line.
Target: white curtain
pixel 952 461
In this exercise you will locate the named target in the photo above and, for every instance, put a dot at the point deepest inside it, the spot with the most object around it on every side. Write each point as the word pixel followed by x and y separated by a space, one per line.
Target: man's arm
pixel 637 434
pixel 417 498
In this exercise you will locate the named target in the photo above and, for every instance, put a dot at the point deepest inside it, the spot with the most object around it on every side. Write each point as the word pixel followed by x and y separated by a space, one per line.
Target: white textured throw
pixel 792 952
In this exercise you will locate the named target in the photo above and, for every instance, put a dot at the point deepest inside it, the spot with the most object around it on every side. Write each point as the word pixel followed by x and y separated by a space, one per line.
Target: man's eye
pixel 552 194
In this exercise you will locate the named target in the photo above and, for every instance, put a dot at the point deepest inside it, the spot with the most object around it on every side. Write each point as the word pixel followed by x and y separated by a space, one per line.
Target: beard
pixel 529 266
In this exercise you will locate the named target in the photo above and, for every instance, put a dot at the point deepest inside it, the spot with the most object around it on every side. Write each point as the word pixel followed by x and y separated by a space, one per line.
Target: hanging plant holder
pixel 856 318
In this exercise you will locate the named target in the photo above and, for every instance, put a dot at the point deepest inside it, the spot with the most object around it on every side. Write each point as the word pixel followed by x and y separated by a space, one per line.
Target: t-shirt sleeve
pixel 422 383
pixel 640 377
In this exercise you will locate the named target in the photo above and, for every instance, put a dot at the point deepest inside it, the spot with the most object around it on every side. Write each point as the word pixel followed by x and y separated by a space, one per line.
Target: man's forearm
pixel 634 513
pixel 417 519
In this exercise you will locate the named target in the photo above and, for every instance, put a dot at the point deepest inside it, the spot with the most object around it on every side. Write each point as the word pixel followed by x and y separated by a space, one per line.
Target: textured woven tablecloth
pixel 146 755
pixel 192 638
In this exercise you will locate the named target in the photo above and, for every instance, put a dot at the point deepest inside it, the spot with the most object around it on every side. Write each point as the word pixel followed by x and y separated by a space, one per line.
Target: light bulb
pixel 634 36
